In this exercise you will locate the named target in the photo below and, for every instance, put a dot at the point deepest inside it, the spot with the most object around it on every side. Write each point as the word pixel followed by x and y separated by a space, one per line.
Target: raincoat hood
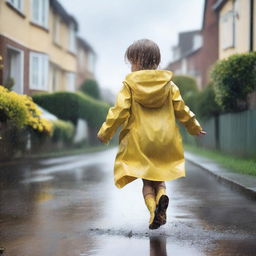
pixel 149 87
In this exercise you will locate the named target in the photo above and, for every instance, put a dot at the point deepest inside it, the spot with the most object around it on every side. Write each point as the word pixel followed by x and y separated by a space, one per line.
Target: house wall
pixel 19 30
pixel 242 27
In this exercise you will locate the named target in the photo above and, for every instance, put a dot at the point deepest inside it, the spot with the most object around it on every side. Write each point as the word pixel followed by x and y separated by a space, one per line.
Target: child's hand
pixel 202 132
pixel 100 139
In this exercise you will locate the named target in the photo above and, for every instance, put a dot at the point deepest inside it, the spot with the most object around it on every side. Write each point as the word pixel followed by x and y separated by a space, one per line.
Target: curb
pixel 250 193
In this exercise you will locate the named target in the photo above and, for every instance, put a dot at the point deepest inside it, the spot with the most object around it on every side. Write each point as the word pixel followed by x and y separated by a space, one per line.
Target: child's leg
pixel 160 189
pixel 149 197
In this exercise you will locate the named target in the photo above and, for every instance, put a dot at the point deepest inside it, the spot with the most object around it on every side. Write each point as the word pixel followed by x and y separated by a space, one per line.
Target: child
pixel 150 144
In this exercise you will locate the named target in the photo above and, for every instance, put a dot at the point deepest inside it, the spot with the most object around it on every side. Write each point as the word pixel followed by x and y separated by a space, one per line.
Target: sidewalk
pixel 241 182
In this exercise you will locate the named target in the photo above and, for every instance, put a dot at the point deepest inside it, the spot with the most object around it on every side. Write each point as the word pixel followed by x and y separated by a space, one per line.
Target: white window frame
pixel 17 4
pixel 42 12
pixel 56 30
pixel 71 81
pixel 38 79
pixel 228 30
pixel 72 38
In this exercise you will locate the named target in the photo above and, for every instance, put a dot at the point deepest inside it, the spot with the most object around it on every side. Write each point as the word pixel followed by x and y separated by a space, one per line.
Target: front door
pixel 14 74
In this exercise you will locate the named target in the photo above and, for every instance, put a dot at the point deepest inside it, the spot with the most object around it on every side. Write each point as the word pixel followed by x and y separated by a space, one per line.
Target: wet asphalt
pixel 70 206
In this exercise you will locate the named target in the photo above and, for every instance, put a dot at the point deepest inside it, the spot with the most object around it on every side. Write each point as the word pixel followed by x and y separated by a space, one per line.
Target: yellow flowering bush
pixel 22 111
pixel 12 108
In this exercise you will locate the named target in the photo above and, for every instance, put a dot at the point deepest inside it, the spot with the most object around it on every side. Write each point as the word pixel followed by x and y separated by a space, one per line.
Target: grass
pixel 233 163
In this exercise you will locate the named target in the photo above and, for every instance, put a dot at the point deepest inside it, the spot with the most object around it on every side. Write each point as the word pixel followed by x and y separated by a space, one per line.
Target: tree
pixel 188 89
pixel 207 106
pixel 91 88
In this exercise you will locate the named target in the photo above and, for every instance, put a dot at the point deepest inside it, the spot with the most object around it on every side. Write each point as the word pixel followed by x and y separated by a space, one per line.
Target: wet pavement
pixel 70 206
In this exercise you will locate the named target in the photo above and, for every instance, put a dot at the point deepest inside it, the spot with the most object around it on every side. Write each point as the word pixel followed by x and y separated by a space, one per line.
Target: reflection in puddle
pixel 152 246
pixel 157 246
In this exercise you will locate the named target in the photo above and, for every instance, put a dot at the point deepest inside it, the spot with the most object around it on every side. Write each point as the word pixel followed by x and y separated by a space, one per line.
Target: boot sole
pixel 161 210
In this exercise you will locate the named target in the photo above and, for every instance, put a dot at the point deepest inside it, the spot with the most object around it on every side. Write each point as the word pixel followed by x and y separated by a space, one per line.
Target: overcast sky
pixel 110 26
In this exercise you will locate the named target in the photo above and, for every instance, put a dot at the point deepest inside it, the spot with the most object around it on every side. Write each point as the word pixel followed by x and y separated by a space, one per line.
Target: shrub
pixel 233 79
pixel 63 131
pixel 22 111
pixel 91 88
pixel 72 106
pixel 188 89
pixel 12 108
pixel 206 103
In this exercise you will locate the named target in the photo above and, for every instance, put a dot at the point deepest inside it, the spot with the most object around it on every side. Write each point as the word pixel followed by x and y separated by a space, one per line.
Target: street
pixel 70 206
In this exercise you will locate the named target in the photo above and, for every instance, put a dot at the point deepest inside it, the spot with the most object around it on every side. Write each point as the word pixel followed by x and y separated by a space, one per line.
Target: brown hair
pixel 145 53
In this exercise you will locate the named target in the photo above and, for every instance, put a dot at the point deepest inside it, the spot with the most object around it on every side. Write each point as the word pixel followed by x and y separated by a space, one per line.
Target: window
pixel 72 38
pixel 18 4
pixel 56 29
pixel 197 42
pixel 228 30
pixel 38 71
pixel 40 9
pixel 91 61
pixel 71 81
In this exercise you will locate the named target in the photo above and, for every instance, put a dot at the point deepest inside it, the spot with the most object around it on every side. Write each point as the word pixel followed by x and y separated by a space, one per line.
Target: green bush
pixel 72 106
pixel 188 89
pixel 91 88
pixel 233 79
pixel 63 131
pixel 206 103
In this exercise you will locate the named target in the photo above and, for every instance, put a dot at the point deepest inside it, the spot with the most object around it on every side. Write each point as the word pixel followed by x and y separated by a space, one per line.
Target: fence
pixel 233 133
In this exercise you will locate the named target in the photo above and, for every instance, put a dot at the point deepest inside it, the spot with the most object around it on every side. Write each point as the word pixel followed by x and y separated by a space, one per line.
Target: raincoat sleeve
pixel 117 114
pixel 183 112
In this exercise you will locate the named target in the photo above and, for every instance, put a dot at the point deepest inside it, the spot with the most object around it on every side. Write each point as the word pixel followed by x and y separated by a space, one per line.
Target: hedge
pixel 233 79
pixel 72 106
pixel 63 131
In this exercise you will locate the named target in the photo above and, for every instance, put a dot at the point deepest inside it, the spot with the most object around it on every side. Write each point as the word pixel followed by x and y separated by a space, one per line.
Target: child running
pixel 150 144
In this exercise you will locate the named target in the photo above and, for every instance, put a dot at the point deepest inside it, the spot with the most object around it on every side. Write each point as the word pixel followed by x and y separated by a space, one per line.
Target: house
pixel 186 55
pixel 237 29
pixel 86 58
pixel 38 46
pixel 201 48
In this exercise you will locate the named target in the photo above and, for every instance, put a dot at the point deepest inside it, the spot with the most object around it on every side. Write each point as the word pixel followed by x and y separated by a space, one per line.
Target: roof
pixel 67 18
pixel 85 45
pixel 218 5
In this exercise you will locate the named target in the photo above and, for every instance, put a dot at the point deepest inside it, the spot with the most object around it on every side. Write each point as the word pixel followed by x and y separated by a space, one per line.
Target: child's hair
pixel 144 53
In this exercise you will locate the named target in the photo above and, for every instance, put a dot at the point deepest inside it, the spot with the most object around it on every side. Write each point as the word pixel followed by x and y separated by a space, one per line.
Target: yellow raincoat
pixel 150 144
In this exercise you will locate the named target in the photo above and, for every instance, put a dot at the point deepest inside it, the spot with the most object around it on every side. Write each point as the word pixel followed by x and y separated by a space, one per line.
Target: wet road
pixel 70 206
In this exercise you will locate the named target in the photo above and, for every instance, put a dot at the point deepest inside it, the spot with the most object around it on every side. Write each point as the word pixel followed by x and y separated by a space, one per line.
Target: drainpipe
pixel 251 24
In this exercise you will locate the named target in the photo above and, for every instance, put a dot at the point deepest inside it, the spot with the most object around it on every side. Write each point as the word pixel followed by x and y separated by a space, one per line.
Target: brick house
pixel 201 49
